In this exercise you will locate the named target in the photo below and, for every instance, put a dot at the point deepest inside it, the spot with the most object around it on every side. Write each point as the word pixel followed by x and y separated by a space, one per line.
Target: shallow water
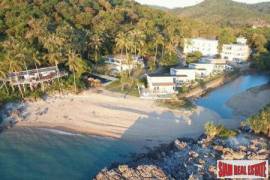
pixel 27 153
pixel 216 100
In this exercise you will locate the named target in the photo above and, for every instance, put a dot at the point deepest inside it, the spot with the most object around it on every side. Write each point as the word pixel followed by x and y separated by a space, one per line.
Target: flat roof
pixel 159 75
pixel 181 76
pixel 236 44
pixel 182 68
pixel 163 84
pixel 202 63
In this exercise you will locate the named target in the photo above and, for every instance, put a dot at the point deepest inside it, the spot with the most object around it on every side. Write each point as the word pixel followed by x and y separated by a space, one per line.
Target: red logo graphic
pixel 242 169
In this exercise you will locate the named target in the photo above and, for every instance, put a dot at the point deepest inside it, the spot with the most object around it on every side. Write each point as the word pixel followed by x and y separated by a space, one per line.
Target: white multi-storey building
pixel 237 52
pixel 207 47
pixel 220 65
pixel 119 63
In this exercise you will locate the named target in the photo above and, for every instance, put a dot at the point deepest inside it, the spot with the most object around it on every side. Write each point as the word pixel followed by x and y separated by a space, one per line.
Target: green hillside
pixel 77 34
pixel 227 12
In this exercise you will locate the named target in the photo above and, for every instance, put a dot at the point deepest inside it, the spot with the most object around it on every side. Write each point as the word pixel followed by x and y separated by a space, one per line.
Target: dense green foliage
pixel 260 123
pixel 227 12
pixel 77 34
pixel 88 28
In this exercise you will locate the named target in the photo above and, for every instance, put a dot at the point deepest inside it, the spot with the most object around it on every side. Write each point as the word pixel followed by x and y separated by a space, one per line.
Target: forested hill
pixel 227 12
pixel 77 34
pixel 47 31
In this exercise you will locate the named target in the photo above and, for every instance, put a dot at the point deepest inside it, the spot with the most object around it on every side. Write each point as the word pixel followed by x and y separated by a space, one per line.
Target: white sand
pixel 112 115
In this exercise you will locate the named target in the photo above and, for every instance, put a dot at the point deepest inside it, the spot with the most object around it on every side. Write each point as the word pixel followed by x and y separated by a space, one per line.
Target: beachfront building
pixel 34 76
pixel 182 75
pixel 161 85
pixel 202 69
pixel 220 65
pixel 119 63
pixel 207 47
pixel 237 52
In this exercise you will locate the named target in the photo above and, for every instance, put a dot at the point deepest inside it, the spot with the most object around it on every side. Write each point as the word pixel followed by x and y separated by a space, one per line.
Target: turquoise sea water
pixel 27 154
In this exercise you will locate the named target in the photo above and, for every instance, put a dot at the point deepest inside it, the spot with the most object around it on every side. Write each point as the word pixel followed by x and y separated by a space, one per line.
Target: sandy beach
pixel 251 101
pixel 130 118
pixel 113 115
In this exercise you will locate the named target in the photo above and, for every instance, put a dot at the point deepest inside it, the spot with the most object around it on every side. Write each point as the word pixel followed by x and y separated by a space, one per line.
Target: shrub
pixel 212 130
pixel 226 133
pixel 260 123
pixel 176 103
pixel 194 57
pixel 183 89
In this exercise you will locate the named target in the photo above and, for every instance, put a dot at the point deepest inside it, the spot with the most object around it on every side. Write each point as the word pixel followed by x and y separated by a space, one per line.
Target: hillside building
pixel 207 47
pixel 237 52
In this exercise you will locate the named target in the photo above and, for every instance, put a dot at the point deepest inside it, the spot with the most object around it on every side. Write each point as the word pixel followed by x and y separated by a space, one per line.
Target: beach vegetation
pixel 76 36
pixel 214 130
pixel 260 123
pixel 176 103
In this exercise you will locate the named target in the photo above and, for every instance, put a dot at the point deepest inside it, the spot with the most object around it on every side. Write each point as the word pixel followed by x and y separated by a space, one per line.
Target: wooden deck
pixel 34 76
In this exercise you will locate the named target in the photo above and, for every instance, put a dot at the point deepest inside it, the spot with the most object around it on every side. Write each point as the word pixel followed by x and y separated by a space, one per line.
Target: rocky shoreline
pixel 191 159
pixel 12 113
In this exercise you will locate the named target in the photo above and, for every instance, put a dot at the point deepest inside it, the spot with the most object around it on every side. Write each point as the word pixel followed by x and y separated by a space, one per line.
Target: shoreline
pixel 210 86
pixel 251 101
pixel 114 115
pixel 196 157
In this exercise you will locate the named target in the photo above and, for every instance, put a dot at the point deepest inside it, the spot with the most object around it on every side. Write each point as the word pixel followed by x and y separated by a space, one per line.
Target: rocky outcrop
pixel 189 159
pixel 11 113
pixel 140 172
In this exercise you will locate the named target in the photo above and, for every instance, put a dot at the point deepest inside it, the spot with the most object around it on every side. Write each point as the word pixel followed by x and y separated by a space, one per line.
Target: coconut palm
pixel 14 67
pixel 96 43
pixel 159 40
pixel 120 42
pixel 37 63
pixel 54 56
pixel 3 76
pixel 76 65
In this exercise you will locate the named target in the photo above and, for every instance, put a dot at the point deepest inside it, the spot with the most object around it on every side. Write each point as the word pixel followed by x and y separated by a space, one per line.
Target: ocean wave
pixel 61 132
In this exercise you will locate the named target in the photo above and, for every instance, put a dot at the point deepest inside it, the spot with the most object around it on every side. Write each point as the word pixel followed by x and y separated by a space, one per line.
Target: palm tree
pixel 76 66
pixel 3 76
pixel 14 66
pixel 128 46
pixel 137 38
pixel 159 40
pixel 54 45
pixel 120 42
pixel 37 62
pixel 54 59
pixel 96 44
pixel 124 79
